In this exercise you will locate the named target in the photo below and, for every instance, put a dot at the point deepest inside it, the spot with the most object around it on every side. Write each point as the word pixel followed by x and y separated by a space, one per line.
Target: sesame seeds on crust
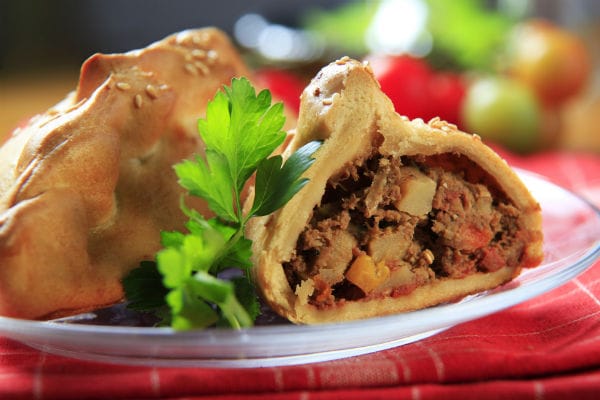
pixel 438 123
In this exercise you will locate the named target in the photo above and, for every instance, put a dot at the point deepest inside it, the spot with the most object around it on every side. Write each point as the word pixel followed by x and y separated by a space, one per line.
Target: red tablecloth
pixel 546 348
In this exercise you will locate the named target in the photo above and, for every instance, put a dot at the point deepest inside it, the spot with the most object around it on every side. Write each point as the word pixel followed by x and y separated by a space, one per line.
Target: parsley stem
pixel 227 248
pixel 241 130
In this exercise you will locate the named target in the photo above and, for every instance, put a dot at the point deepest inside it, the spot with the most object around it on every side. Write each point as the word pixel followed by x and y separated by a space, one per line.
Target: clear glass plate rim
pixel 447 315
pixel 583 263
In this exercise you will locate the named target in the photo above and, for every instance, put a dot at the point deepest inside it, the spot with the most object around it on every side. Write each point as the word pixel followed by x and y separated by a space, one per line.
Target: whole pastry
pixel 86 188
pixel 397 215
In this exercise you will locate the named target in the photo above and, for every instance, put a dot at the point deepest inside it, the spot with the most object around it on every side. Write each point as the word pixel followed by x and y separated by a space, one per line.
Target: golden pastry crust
pixel 86 188
pixel 345 107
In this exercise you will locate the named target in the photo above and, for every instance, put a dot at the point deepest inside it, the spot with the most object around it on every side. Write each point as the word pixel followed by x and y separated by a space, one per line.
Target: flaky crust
pixel 345 107
pixel 86 188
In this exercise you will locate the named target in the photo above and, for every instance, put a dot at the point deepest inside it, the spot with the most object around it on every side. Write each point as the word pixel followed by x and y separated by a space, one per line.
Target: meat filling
pixel 386 226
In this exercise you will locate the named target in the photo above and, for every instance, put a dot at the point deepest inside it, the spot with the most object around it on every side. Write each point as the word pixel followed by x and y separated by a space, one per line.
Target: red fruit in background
pixel 416 90
pixel 405 80
pixel 447 92
pixel 284 86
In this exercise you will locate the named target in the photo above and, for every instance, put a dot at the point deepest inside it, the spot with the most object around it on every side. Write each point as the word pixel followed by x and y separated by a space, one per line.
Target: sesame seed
pixel 181 38
pixel 212 56
pixel 151 91
pixel 444 126
pixel 342 60
pixel 123 86
pixel 191 69
pixel 428 255
pixel 327 102
pixel 202 67
pixel 199 39
pixel 138 101
pixel 198 53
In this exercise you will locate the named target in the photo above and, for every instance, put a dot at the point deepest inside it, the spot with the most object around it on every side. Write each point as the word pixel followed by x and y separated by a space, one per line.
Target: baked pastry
pixel 86 188
pixel 397 215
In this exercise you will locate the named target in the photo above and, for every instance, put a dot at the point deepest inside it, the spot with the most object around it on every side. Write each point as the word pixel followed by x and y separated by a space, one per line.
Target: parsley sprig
pixel 185 285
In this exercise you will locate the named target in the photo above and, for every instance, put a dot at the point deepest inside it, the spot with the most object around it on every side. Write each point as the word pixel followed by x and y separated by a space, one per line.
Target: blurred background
pixel 521 73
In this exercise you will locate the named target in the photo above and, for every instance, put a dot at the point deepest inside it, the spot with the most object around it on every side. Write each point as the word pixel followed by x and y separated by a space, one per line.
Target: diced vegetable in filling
pixel 386 226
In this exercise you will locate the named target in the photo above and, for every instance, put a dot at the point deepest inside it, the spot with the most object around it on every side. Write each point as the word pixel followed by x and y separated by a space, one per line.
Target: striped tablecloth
pixel 546 348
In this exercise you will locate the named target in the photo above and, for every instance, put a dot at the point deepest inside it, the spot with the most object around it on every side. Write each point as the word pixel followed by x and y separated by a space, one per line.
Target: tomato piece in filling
pixel 416 219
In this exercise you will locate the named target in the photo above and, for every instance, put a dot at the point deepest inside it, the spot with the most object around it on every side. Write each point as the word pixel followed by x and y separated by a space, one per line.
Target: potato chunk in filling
pixel 386 226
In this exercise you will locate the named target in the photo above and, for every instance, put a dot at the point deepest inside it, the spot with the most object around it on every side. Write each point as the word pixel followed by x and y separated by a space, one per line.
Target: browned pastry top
pixel 297 249
pixel 86 188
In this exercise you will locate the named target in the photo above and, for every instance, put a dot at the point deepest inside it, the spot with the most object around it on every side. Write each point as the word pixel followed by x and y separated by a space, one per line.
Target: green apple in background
pixel 502 110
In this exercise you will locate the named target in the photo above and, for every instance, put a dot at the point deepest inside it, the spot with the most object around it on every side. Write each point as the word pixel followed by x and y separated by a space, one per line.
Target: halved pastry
pixel 398 215
pixel 86 188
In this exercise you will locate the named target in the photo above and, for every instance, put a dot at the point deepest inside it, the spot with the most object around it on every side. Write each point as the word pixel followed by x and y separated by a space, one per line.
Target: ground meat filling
pixel 386 226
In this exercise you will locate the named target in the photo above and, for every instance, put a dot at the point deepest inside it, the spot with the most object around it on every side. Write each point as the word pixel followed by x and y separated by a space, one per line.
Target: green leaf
pixel 174 267
pixel 275 185
pixel 171 239
pixel 246 293
pixel 211 288
pixel 188 308
pixel 188 311
pixel 225 230
pixel 185 269
pixel 221 293
pixel 240 131
pixel 211 181
pixel 233 251
pixel 144 288
pixel 200 253
pixel 216 125
pixel 242 127
pixel 238 255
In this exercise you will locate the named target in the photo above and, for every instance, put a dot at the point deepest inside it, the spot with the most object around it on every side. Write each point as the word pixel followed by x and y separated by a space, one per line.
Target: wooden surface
pixel 22 96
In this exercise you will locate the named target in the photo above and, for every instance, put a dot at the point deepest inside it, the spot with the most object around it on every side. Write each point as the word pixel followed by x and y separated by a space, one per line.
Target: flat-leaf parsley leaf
pixel 186 284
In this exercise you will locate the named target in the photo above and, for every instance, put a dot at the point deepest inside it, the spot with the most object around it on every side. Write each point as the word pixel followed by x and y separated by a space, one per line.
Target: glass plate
pixel 572 243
